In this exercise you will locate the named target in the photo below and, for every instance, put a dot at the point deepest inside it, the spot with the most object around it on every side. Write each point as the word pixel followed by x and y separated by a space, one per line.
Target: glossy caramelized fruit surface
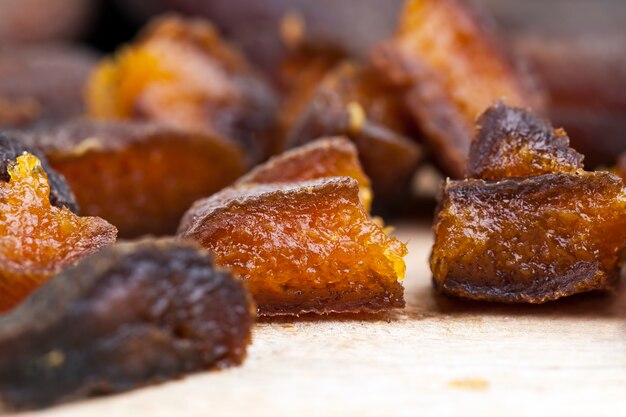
pixel 134 314
pixel 139 176
pixel 301 247
pixel 38 239
pixel 449 60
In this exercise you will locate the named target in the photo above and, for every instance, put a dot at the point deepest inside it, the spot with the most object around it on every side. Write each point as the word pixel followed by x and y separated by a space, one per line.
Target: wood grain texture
pixel 437 357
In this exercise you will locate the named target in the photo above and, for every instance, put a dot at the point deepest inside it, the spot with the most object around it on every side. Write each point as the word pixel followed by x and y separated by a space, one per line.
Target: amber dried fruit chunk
pixel 450 61
pixel 37 239
pixel 301 247
pixel 140 177
pixel 11 147
pixel 180 72
pixel 514 143
pixel 351 100
pixel 41 85
pixel 529 240
pixel 134 314
pixel 329 157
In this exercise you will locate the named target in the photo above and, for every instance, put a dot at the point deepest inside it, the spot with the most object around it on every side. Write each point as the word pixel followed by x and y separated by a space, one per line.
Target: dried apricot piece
pixel 140 177
pixel 180 72
pixel 38 239
pixel 352 101
pixel 450 62
pixel 529 240
pixel 514 143
pixel 11 147
pixel 306 247
pixel 329 157
pixel 134 314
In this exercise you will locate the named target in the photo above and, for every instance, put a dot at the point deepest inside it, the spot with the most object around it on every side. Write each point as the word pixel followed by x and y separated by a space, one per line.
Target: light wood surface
pixel 437 357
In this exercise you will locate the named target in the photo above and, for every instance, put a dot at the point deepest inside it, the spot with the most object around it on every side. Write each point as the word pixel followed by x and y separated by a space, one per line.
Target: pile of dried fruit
pixel 265 188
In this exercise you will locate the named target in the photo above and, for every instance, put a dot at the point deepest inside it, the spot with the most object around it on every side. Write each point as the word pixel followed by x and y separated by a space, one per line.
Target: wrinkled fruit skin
pixel 181 73
pixel 327 157
pixel 11 147
pixel 306 247
pixel 38 239
pixel 132 315
pixel 351 100
pixel 514 143
pixel 529 240
pixel 448 59
pixel 141 177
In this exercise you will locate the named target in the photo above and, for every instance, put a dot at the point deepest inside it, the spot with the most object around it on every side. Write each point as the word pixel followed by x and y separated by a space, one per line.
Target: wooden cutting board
pixel 437 357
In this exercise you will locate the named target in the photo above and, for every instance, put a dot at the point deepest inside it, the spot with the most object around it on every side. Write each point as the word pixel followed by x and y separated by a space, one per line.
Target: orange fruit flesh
pixel 317 254
pixel 37 239
pixel 145 188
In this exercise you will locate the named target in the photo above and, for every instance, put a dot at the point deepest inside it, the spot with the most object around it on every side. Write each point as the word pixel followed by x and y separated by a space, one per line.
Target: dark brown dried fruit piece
pixel 328 157
pixel 529 240
pixel 180 72
pixel 514 143
pixel 449 60
pixel 301 247
pixel 38 239
pixel 134 314
pixel 140 177
pixel 351 100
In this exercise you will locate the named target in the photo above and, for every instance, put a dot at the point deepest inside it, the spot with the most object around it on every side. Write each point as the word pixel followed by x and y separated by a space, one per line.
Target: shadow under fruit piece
pixel 304 247
pixel 38 239
pixel 448 59
pixel 556 233
pixel 134 314
pixel 181 73
pixel 141 177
